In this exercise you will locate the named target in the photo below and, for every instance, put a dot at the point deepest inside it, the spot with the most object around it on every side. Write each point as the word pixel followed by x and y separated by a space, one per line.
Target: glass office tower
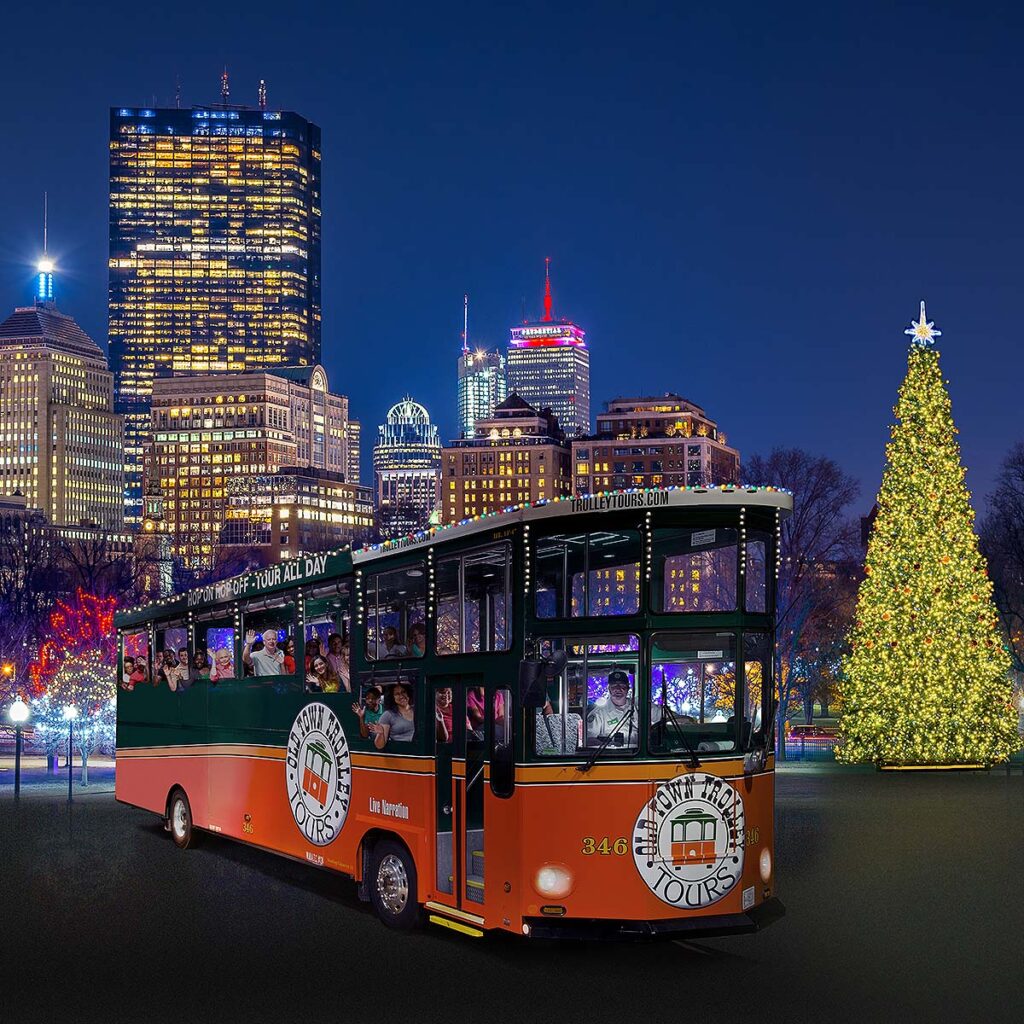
pixel 214 251
pixel 549 366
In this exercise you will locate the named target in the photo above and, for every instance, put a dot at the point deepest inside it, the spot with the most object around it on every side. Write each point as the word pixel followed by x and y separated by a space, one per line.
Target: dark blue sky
pixel 744 203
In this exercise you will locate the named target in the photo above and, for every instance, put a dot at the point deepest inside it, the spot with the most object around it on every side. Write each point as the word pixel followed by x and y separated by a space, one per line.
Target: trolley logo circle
pixel 318 771
pixel 688 840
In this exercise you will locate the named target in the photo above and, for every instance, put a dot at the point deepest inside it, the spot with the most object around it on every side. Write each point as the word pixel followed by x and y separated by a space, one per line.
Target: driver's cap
pixel 618 676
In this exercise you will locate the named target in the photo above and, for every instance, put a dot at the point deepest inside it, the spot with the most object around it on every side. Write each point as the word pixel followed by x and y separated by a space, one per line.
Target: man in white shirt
pixel 608 717
pixel 267 662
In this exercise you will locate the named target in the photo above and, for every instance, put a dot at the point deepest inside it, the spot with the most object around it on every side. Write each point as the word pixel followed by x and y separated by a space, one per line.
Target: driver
pixel 609 717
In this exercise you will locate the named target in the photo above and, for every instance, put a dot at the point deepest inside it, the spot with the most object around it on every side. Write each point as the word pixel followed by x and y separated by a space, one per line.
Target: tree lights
pixel 927 681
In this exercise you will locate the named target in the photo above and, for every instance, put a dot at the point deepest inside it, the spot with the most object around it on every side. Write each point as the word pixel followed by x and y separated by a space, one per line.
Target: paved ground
pixel 903 894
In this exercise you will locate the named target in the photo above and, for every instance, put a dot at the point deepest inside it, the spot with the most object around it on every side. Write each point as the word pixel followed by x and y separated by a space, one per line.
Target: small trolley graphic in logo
pixel 318 773
pixel 688 840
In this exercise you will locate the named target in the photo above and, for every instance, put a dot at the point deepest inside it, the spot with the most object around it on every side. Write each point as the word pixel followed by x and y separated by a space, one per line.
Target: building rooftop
pixel 44 324
pixel 668 402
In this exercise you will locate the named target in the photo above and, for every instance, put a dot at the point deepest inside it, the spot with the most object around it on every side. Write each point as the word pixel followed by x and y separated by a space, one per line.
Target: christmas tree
pixel 927 681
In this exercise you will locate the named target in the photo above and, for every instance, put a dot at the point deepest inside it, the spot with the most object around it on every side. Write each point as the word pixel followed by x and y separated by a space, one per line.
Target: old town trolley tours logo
pixel 688 840
pixel 319 773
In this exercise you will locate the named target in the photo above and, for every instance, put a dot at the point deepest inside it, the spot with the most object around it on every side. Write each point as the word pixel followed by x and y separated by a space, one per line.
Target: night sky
pixel 743 203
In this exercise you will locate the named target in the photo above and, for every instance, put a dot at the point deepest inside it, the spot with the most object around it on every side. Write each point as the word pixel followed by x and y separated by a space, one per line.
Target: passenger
pixel 443 714
pixel 369 711
pixel 322 678
pixel 344 673
pixel 390 645
pixel 289 656
pixel 335 654
pixel 476 711
pixel 184 675
pixel 267 662
pixel 126 675
pixel 398 724
pixel 223 666
pixel 312 650
pixel 200 666
pixel 606 717
pixel 417 640
pixel 140 674
pixel 168 671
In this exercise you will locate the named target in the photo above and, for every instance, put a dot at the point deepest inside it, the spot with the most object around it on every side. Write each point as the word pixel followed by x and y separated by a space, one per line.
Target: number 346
pixel 605 846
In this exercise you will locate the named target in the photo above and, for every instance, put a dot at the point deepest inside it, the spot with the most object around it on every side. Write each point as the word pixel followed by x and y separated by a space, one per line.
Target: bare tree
pixel 97 564
pixel 1002 544
pixel 30 582
pixel 819 537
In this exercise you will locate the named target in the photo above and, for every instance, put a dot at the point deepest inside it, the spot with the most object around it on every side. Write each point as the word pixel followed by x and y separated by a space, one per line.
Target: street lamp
pixel 70 713
pixel 18 714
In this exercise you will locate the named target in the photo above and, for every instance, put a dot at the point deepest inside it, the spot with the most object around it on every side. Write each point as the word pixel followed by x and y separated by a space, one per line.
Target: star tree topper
pixel 922 331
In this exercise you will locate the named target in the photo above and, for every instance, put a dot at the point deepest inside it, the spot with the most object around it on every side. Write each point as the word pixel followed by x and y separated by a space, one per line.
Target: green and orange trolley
pixel 554 721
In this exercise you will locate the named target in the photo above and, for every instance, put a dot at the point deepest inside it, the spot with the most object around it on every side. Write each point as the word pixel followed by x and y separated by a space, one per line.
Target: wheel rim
pixel 178 820
pixel 393 884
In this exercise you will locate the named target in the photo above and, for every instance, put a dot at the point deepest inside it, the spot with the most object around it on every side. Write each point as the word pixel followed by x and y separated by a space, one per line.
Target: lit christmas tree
pixel 927 682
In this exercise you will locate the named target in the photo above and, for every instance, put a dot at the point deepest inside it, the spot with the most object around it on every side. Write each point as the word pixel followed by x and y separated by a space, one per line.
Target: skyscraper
pixel 214 250
pixel 407 469
pixel 549 366
pixel 211 430
pixel 61 442
pixel 482 382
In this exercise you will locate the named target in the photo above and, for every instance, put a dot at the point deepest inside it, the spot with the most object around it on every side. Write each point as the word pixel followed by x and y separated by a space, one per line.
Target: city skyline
pixel 812 311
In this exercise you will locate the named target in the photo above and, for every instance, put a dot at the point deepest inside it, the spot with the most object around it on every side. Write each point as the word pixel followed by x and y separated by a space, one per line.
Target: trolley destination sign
pixel 295 571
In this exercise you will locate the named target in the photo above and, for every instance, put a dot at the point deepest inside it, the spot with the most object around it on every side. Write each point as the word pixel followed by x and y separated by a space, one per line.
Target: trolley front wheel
pixel 393 885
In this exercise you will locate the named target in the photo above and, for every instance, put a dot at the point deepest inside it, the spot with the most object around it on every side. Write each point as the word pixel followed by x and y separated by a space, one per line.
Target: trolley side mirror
pixel 532 691
pixel 534 674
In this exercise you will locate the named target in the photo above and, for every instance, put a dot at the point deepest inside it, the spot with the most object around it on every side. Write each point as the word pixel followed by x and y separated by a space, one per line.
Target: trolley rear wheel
pixel 179 820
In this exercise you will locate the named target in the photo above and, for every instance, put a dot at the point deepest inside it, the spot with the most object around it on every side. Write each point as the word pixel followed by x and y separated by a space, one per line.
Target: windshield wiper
pixel 592 760
pixel 667 712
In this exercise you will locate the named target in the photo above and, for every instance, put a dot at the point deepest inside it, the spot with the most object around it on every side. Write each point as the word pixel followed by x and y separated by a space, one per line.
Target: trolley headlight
pixel 553 881
pixel 765 864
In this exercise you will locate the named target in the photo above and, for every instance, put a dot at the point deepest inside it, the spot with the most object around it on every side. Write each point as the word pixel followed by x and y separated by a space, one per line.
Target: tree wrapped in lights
pixel 927 679
pixel 87 680
pixel 77 665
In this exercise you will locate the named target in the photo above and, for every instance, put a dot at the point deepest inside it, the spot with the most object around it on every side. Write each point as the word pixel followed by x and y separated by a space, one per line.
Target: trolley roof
pixel 313 568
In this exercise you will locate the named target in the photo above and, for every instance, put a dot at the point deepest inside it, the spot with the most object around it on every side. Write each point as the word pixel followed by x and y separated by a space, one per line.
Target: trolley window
pixel 757 673
pixel 135 659
pixel 386 709
pixel 694 570
pixel 756 574
pixel 593 703
pixel 327 653
pixel 395 613
pixel 693 692
pixel 474 601
pixel 588 575
pixel 219 636
pixel 173 664
pixel 268 641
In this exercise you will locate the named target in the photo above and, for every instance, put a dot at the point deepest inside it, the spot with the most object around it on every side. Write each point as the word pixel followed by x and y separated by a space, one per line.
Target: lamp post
pixel 70 713
pixel 18 715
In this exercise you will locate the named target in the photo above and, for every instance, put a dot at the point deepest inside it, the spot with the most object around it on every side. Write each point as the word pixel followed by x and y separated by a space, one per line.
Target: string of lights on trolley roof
pixel 307 567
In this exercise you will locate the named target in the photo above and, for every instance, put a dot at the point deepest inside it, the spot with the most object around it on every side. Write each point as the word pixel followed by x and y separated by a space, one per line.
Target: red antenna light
pixel 547 288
